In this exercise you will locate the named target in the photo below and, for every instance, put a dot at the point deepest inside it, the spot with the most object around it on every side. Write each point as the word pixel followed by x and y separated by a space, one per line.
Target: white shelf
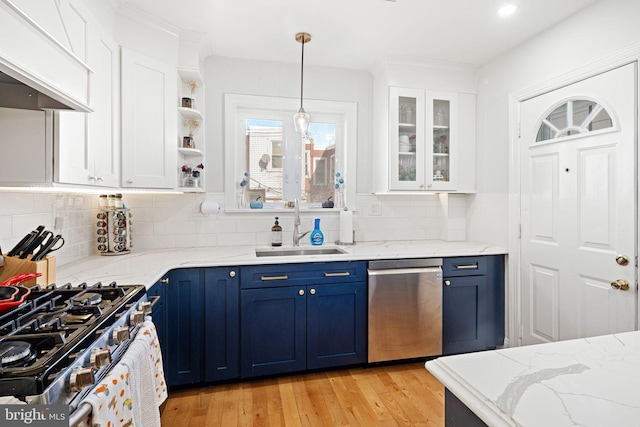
pixel 190 113
pixel 190 74
pixel 440 154
pixel 407 153
pixel 440 127
pixel 407 125
pixel 190 152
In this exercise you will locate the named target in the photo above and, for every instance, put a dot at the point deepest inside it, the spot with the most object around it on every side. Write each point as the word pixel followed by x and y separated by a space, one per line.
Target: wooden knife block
pixel 14 266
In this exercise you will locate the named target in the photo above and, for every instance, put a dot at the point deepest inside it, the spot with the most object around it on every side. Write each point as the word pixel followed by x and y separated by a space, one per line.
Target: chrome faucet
pixel 296 222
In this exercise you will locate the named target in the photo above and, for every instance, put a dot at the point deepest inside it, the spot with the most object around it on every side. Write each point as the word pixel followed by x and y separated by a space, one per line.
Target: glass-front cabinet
pixel 422 144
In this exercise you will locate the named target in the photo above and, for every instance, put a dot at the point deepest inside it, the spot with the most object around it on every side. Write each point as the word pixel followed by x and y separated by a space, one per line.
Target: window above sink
pixel 260 141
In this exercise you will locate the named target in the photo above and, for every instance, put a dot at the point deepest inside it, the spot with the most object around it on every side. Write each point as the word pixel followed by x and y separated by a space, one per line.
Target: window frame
pixel 238 106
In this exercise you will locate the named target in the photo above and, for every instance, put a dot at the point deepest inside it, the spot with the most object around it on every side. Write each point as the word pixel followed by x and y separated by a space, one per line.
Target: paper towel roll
pixel 210 207
pixel 346 226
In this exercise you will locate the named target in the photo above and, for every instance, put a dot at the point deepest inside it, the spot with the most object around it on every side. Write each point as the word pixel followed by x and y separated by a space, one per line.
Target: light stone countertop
pixel 583 382
pixel 148 266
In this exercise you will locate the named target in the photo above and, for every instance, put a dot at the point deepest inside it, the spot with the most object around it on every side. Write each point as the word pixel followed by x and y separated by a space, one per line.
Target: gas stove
pixel 63 339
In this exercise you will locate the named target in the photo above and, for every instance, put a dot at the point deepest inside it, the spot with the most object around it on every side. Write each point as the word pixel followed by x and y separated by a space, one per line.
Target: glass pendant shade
pixel 301 121
pixel 301 118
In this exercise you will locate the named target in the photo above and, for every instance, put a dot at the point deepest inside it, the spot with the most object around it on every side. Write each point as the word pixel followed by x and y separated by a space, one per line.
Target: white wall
pixel 237 76
pixel 597 31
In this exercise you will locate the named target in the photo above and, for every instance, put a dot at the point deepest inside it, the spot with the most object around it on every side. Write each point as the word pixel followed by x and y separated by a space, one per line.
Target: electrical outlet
pixel 375 210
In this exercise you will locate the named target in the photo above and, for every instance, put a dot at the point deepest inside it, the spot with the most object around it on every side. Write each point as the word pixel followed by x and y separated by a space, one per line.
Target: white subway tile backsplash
pixel 174 220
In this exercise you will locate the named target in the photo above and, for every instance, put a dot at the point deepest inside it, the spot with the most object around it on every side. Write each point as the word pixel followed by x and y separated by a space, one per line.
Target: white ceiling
pixel 358 33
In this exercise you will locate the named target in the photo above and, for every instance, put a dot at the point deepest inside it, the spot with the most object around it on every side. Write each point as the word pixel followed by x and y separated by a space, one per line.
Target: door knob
pixel 620 284
pixel 622 260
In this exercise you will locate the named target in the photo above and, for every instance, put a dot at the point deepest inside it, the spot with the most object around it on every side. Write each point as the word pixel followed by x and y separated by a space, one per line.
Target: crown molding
pixel 145 18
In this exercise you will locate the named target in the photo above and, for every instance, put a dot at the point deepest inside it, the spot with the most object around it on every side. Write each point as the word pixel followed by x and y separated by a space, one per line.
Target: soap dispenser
pixel 317 238
pixel 276 234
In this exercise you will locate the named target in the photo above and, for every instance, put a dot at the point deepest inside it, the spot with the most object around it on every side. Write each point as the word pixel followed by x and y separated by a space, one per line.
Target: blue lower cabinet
pixel 273 331
pixel 304 316
pixel 221 323
pixel 472 303
pixel 336 325
pixel 183 364
pixel 464 301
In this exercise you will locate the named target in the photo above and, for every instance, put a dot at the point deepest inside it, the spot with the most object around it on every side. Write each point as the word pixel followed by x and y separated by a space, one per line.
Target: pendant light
pixel 301 118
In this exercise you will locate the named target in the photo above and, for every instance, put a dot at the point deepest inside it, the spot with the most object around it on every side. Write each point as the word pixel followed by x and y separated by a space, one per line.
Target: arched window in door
pixel 576 116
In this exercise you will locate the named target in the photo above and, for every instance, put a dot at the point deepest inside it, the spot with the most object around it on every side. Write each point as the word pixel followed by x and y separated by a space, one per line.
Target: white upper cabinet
pixel 431 140
pixel 88 144
pixel 149 125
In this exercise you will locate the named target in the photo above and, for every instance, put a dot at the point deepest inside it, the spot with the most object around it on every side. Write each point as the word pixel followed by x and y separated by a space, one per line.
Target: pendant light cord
pixel 302 73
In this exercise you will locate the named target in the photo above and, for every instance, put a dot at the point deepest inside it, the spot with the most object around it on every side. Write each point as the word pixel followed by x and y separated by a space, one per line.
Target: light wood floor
pixel 397 395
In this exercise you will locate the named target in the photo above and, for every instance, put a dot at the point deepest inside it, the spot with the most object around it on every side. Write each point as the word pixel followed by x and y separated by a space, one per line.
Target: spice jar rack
pixel 114 231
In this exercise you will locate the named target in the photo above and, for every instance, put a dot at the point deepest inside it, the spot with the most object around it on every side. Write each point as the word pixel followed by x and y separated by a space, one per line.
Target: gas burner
pixel 14 351
pixel 87 299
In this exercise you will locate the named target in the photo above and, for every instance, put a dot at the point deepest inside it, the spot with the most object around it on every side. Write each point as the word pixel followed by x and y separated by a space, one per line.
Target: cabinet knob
pixel 301 292
pixel 232 273
pixel 312 291
pixel 164 280
pixel 447 283
pixel 100 178
pixel 129 181
pixel 91 178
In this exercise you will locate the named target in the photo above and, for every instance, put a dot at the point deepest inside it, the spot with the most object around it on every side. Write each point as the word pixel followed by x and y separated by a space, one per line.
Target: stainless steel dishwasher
pixel 405 309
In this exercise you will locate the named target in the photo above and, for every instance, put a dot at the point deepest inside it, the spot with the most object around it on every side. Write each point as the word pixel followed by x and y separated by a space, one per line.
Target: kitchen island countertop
pixel 582 382
pixel 148 266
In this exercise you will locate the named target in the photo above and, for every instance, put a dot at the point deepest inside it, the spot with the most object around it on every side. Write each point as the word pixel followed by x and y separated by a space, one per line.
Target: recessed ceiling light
pixel 507 10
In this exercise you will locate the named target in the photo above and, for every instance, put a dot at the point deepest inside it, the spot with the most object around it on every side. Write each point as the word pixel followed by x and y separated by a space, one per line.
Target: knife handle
pixel 16 249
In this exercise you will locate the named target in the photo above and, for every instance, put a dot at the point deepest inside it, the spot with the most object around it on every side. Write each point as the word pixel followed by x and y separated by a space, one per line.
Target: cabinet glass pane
pixel 441 140
pixel 406 139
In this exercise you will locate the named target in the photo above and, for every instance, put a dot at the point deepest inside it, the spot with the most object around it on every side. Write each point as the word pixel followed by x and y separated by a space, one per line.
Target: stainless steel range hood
pixel 16 94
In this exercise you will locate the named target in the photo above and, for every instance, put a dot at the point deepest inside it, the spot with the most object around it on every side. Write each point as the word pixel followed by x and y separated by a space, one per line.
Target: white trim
pixel 599 66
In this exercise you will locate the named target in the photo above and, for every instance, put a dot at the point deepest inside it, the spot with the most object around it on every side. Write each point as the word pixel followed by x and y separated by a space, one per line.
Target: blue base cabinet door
pixel 183 363
pixel 336 325
pixel 472 303
pixel 273 330
pixel 221 323
pixel 464 314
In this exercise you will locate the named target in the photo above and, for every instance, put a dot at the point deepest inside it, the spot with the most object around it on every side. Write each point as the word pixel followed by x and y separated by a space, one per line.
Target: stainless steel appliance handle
pixel 404 271
pixel 80 414
pixel 154 300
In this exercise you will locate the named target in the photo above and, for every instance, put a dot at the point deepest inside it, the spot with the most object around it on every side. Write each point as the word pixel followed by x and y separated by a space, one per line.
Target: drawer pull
pixel 467 267
pixel 342 274
pixel 265 278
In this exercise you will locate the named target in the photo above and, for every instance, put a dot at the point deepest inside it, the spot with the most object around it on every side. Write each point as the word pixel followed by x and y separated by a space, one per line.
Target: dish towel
pixel 141 379
pixel 147 334
pixel 111 400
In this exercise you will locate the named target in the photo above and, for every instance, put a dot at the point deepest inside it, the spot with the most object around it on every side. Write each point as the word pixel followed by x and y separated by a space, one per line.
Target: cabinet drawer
pixel 269 276
pixel 464 266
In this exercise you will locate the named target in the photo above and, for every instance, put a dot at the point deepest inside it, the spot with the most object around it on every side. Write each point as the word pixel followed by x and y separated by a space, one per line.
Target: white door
pixel 578 203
